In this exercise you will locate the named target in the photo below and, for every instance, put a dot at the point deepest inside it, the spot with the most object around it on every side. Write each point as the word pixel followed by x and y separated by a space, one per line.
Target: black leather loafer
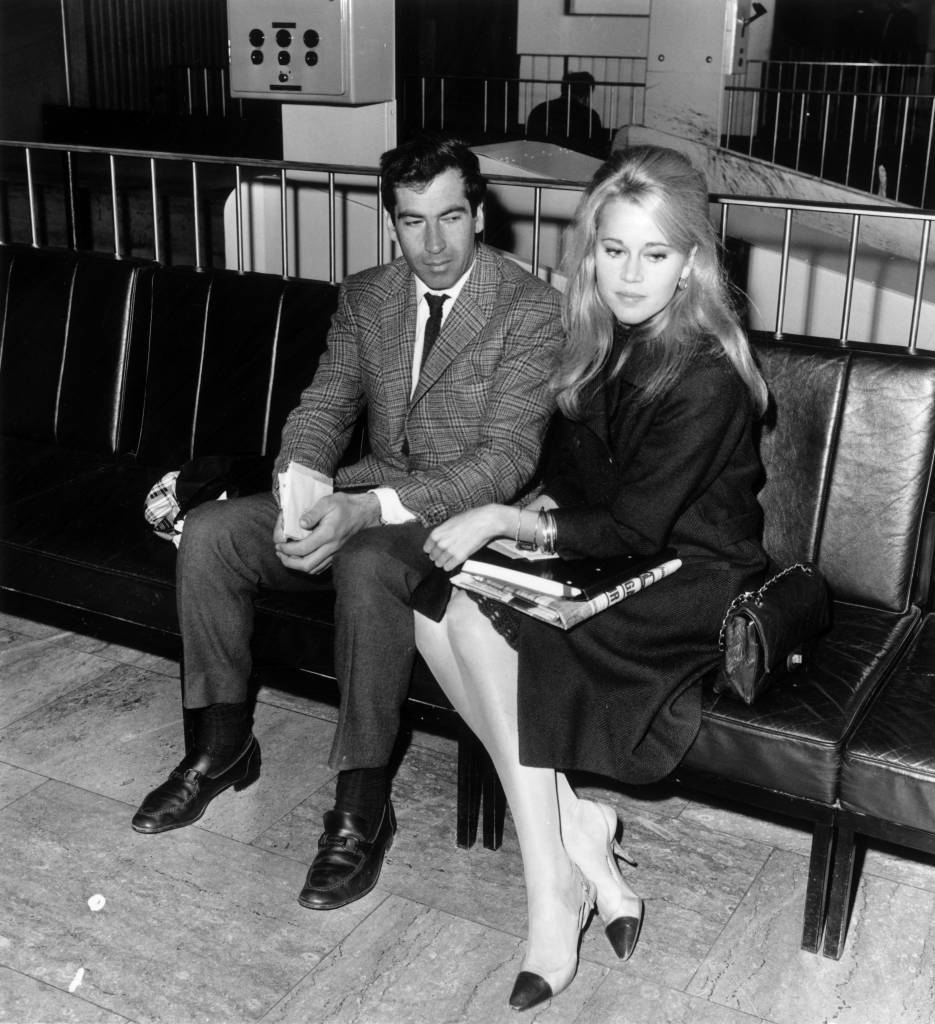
pixel 347 864
pixel 183 798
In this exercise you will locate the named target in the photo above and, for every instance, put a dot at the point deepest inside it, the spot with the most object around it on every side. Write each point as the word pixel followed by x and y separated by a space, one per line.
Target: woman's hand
pixel 457 538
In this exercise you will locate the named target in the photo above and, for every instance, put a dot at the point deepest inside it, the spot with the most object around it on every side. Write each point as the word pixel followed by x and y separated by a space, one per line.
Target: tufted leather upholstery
pixel 889 765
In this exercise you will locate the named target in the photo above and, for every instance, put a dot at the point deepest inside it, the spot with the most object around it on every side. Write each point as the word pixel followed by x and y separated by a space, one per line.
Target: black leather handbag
pixel 764 633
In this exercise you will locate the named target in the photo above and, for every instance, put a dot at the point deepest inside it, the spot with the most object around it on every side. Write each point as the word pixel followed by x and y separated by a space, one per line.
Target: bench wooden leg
pixel 471 757
pixel 842 885
pixel 494 808
pixel 819 872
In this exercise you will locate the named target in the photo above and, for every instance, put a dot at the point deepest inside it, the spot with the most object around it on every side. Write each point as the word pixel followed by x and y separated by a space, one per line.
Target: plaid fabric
pixel 472 431
pixel 161 508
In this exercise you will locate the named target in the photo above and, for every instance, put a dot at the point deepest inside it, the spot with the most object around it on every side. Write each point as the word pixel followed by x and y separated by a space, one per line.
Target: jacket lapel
pixel 398 328
pixel 466 320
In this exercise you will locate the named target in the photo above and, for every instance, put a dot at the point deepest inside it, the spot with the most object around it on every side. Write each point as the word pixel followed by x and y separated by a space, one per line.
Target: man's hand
pixel 332 521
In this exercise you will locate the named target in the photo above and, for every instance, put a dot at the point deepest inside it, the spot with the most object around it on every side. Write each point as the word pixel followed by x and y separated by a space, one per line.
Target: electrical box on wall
pixel 312 51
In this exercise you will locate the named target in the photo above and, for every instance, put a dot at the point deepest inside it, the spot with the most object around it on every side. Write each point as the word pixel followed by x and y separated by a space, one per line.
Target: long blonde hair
pixel 701 315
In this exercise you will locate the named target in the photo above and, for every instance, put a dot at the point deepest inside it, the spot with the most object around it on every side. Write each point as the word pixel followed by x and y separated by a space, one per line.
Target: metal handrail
pixel 849 218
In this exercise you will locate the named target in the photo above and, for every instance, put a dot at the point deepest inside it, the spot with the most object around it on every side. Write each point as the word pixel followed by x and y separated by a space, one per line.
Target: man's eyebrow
pixel 460 208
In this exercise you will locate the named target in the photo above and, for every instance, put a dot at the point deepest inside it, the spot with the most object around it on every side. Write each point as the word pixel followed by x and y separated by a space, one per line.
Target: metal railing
pixel 868 126
pixel 807 228
pixel 498 107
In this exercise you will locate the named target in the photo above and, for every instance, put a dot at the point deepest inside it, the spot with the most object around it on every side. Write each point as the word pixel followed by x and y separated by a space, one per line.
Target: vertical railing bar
pixel 849 278
pixel 72 202
pixel 506 105
pixel 485 105
pixel 154 194
pixel 422 100
pixel 798 141
pixel 207 93
pixel 238 216
pixel 730 116
pixel 536 226
pixel 284 223
pixel 442 97
pixel 928 151
pixel 113 199
pixel 902 148
pixel 189 88
pixel 783 274
pixel 824 136
pixel 850 139
pixel 332 232
pixel 223 87
pixel 31 190
pixel 724 210
pixel 876 145
pixel 196 220
pixel 920 284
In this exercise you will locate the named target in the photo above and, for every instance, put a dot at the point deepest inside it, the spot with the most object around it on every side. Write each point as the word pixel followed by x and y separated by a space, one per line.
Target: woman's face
pixel 637 269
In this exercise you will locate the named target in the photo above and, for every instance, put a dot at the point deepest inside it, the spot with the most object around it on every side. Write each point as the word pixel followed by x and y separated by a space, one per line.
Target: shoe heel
pixel 252 771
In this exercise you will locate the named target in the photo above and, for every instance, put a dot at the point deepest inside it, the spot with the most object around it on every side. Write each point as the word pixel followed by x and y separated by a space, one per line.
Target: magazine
pixel 558 577
pixel 563 612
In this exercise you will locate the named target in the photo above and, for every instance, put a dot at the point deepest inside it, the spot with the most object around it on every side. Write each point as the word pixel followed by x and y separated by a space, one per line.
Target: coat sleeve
pixel 318 429
pixel 681 445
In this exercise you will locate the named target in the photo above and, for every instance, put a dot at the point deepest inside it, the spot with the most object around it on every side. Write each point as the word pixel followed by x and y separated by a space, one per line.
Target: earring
pixel 683 283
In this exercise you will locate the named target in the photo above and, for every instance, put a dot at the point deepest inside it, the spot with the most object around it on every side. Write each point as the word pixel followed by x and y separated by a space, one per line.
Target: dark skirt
pixel 619 695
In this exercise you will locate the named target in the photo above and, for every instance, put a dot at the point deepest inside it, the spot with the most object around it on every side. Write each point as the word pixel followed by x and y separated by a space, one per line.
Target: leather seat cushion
pixel 889 764
pixel 791 740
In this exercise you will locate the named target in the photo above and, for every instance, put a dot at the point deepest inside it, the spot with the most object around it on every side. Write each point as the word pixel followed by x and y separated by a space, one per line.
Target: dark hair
pixel 578 83
pixel 418 161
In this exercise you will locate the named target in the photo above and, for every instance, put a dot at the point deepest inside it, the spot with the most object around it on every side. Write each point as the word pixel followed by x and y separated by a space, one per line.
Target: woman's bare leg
pixel 477 669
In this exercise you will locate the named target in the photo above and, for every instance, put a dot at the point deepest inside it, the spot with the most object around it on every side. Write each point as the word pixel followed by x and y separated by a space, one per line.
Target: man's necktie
pixel 434 323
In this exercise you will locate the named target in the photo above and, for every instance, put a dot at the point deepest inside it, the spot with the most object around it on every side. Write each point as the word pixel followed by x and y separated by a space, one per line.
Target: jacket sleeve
pixel 318 429
pixel 685 440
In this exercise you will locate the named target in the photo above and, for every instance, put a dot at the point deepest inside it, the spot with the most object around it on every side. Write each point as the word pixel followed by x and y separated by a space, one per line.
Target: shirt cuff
pixel 392 510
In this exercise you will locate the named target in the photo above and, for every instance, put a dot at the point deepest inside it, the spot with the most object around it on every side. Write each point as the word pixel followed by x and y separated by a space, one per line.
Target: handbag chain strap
pixel 756 596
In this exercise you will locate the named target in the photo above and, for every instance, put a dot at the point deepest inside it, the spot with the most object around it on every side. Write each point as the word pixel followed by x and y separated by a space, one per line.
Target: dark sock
pixel 363 791
pixel 221 730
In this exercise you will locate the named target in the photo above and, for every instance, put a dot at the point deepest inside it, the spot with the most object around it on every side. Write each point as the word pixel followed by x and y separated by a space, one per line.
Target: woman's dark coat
pixel 620 694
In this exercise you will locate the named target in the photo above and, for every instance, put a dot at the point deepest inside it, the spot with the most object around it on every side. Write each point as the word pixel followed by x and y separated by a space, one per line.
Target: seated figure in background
pixel 570 121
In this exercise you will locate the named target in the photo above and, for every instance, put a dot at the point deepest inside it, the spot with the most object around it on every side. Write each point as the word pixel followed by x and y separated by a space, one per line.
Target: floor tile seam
pixel 753 881
pixel 75 995
pixel 327 954
pixel 29 792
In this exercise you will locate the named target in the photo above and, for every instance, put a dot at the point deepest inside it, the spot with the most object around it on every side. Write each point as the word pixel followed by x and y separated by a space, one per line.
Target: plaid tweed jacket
pixel 473 429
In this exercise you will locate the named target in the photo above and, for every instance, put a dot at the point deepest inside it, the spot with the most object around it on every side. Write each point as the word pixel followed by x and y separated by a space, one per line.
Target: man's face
pixel 435 229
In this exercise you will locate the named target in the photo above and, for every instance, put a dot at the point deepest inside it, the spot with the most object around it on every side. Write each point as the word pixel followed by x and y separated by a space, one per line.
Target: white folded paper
pixel 300 489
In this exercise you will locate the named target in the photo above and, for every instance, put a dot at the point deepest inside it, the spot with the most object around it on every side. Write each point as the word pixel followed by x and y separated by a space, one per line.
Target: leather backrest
pixel 848 450
pixel 881 480
pixel 797 444
pixel 33 342
pixel 63 348
pixel 223 358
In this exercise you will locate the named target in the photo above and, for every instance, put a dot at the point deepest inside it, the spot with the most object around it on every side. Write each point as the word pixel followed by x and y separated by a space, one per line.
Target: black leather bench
pixel 112 373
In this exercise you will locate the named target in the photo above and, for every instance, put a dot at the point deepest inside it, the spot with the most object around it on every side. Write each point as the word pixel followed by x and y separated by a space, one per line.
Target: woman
pixel 659 394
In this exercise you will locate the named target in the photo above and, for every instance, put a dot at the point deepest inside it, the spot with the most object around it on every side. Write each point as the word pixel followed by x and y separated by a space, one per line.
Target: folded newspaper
pixel 556 610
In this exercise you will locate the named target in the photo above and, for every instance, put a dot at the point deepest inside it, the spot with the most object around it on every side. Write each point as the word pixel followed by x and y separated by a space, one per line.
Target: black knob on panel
pixel 256 57
pixel 283 37
pixel 311 58
pixel 256 37
pixel 284 57
pixel 310 37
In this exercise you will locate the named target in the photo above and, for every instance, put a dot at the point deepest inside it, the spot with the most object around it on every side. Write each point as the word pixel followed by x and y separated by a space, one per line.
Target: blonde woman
pixel 654 447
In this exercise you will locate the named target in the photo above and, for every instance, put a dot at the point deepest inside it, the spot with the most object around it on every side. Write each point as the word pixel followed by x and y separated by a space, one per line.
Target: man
pixel 457 396
pixel 569 120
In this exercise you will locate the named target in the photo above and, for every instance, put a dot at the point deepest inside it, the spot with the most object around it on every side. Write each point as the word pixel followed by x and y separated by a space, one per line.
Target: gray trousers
pixel 226 556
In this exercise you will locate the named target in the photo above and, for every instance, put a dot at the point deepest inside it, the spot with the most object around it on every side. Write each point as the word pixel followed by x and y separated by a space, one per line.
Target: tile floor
pixel 202 924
